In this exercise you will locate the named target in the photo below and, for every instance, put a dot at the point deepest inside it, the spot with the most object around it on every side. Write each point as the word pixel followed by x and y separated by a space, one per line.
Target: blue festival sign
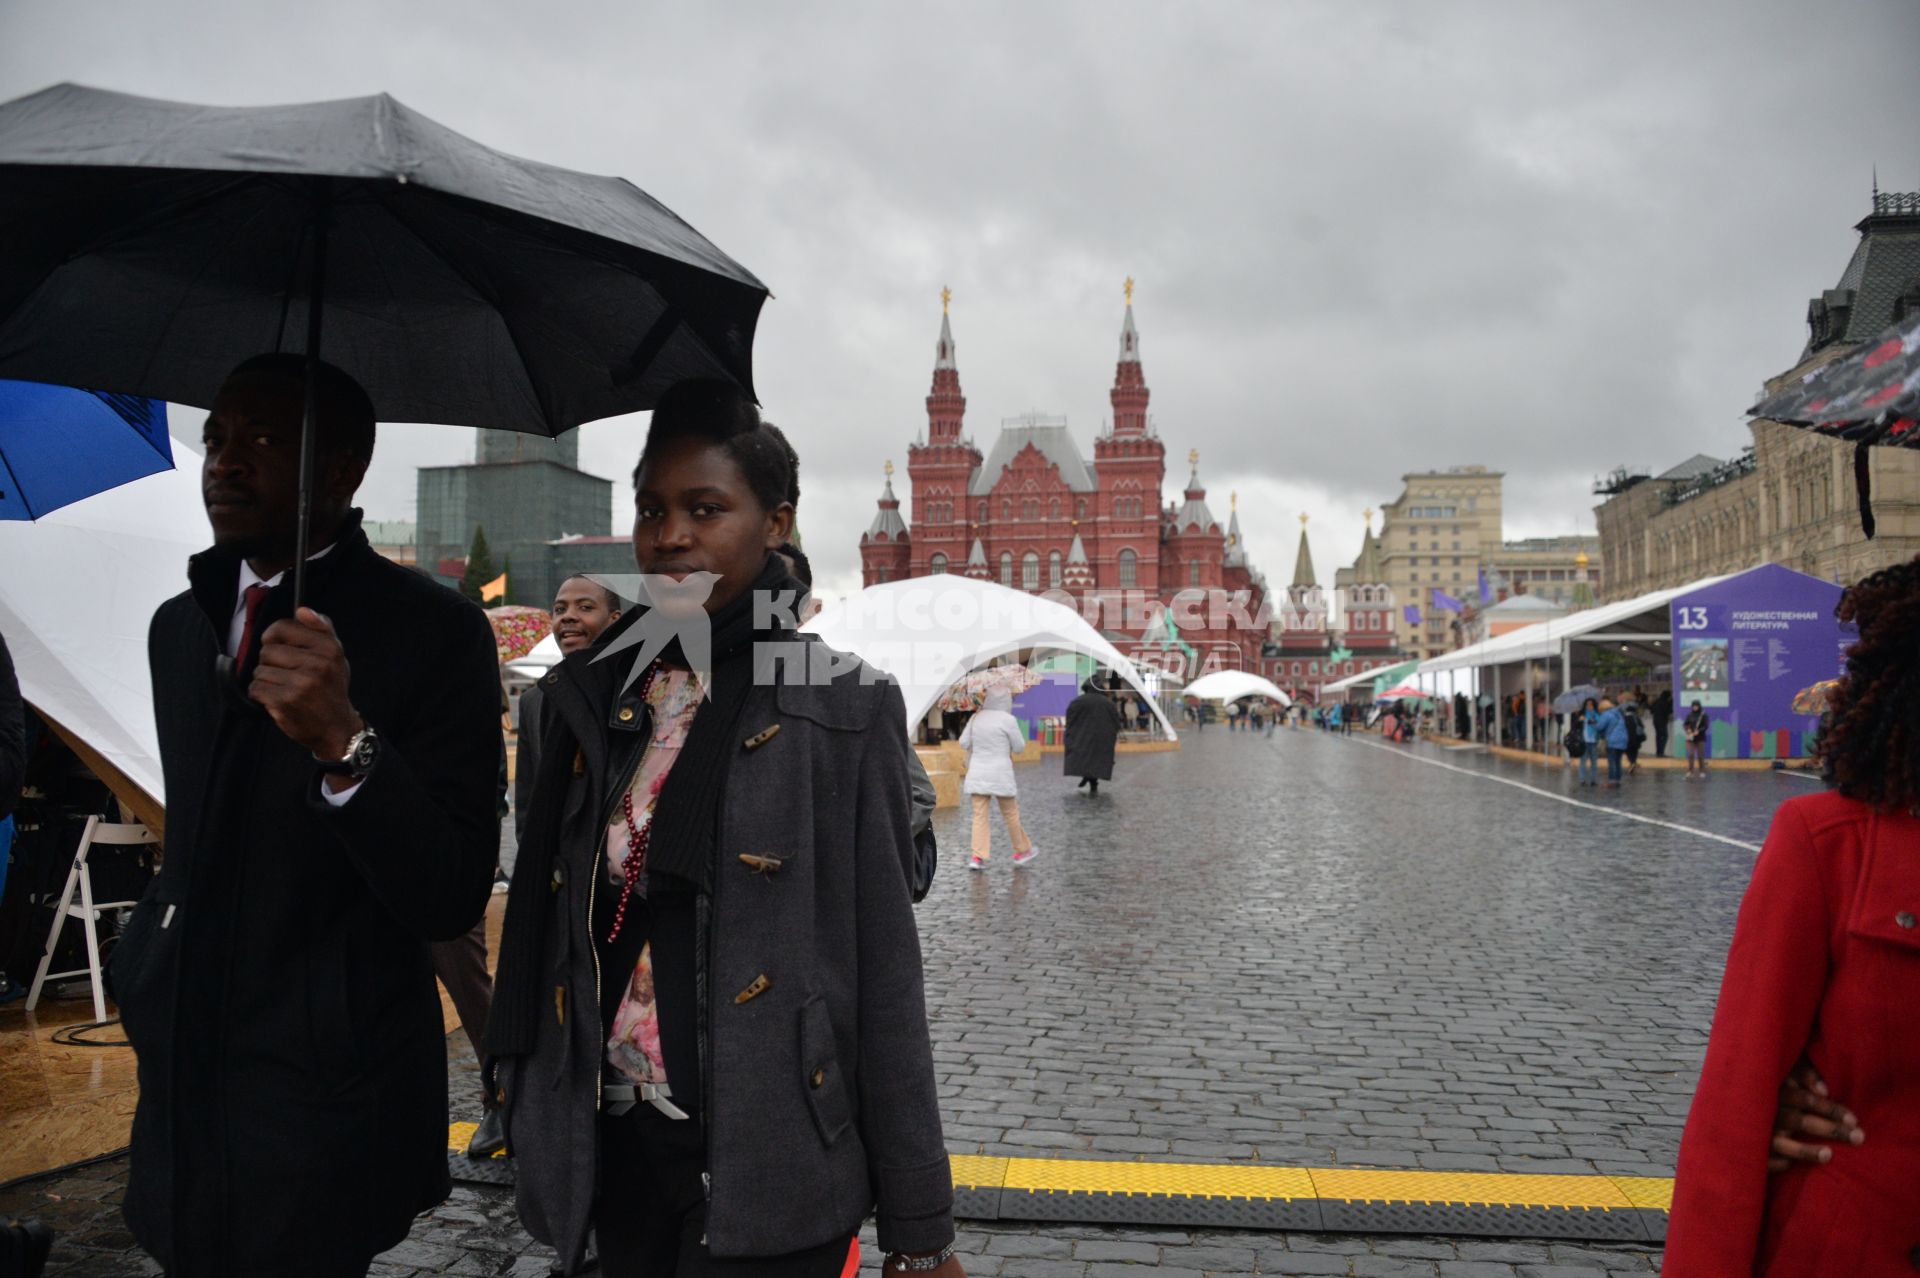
pixel 1742 647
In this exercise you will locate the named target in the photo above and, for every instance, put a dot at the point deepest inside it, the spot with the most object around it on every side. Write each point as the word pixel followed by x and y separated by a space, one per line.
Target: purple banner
pixel 1743 648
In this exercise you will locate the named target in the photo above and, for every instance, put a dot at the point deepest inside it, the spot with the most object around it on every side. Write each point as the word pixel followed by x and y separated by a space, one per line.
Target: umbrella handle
pixel 316 291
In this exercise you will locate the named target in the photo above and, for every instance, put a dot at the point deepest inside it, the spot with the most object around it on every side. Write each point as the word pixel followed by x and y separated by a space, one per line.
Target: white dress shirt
pixel 237 630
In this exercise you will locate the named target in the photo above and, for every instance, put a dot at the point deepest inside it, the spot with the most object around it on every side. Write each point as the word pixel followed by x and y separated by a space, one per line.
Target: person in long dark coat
pixel 699 1056
pixel 331 777
pixel 1093 727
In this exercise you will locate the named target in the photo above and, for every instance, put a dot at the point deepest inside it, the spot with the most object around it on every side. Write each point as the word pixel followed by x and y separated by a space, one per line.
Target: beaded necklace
pixel 638 835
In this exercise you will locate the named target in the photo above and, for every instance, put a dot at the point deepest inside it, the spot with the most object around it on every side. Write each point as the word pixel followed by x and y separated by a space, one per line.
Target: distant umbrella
pixel 1870 397
pixel 517 629
pixel 971 692
pixel 1405 692
pixel 1573 698
pixel 1816 699
pixel 58 445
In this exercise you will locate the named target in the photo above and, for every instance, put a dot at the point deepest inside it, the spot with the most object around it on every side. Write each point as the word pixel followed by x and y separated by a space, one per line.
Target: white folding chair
pixel 87 910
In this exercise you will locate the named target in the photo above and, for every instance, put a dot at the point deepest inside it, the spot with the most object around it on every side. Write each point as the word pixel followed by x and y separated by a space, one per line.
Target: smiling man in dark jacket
pixel 330 810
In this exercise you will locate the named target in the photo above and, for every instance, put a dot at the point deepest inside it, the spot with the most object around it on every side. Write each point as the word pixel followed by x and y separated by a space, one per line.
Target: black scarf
pixel 686 819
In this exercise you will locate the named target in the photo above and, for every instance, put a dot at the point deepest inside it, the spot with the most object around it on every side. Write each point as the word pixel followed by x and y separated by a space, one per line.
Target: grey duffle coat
pixel 818 1097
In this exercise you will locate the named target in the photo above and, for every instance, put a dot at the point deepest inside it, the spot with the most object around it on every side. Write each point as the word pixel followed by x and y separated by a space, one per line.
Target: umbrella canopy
pixel 542 657
pixel 1873 393
pixel 1573 698
pixel 517 629
pixel 970 693
pixel 1405 692
pixel 1815 699
pixel 58 445
pixel 1870 397
pixel 151 246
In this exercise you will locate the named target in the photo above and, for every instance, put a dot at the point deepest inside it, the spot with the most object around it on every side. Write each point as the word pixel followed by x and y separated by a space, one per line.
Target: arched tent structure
pixel 79 590
pixel 927 632
pixel 1231 685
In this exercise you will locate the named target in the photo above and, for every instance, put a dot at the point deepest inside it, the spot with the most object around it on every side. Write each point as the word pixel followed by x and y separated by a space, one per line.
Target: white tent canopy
pixel 1231 685
pixel 928 632
pixel 79 589
pixel 1545 638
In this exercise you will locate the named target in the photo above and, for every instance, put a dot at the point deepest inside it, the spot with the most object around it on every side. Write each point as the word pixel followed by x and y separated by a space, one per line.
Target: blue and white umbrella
pixel 59 444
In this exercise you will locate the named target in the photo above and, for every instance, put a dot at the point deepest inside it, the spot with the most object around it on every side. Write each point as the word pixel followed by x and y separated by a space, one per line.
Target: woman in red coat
pixel 1826 963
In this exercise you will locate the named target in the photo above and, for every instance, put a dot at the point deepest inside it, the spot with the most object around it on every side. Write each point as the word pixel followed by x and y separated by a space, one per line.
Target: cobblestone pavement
pixel 1299 949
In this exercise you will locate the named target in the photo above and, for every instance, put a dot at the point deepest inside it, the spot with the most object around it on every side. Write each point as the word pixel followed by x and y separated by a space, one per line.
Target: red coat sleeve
pixel 1776 974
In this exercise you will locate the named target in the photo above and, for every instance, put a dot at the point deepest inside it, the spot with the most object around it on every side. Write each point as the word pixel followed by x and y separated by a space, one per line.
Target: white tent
pixel 78 590
pixel 927 632
pixel 1231 685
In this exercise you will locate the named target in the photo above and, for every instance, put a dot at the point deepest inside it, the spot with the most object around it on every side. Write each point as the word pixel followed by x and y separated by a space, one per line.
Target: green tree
pixel 480 569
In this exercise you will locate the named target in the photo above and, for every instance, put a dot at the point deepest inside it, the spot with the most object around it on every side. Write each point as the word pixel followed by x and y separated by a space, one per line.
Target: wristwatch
pixel 363 751
pixel 922 1264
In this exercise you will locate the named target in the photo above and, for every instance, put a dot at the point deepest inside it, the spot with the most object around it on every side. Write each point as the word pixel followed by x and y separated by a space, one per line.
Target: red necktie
pixel 256 594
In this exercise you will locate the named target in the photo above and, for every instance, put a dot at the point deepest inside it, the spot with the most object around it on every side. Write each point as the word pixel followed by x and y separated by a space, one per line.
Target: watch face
pixel 365 747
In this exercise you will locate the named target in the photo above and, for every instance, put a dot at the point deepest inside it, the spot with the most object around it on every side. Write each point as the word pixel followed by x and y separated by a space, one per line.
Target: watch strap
pixel 921 1264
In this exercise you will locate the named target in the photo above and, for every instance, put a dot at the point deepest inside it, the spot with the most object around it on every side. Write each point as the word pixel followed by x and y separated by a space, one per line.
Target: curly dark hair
pixel 721 414
pixel 1871 747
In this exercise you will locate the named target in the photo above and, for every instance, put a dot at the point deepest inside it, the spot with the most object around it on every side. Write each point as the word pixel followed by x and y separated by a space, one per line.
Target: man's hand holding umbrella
pixel 301 680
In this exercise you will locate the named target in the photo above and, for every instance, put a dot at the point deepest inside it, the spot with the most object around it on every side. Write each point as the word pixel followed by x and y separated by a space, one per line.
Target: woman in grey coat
pixel 709 1027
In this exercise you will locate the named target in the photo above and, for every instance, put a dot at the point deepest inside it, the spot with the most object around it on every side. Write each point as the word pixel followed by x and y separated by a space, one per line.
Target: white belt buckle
pixel 621 1097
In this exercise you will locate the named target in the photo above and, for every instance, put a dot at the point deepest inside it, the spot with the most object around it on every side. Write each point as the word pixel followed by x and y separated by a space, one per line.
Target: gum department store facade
pixel 1790 498
pixel 1033 515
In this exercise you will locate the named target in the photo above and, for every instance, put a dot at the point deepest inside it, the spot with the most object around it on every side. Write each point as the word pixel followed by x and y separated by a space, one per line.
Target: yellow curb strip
pixel 1253 1181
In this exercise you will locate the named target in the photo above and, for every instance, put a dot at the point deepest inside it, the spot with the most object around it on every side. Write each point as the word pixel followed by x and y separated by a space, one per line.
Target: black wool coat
pixel 275 980
pixel 1093 727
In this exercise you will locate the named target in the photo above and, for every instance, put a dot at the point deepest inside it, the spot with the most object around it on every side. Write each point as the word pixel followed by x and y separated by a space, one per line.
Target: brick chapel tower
pixel 1129 464
pixel 1370 631
pixel 885 549
pixel 1304 643
pixel 940 470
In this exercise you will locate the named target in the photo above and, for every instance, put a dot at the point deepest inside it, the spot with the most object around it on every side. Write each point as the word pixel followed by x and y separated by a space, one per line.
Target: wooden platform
pixel 60 1103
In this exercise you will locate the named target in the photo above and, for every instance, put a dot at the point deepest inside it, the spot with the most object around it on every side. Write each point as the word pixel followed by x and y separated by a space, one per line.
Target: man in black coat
pixel 1093 728
pixel 330 778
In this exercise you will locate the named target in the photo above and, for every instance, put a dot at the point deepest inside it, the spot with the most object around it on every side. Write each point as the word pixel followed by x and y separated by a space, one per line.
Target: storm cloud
pixel 1551 239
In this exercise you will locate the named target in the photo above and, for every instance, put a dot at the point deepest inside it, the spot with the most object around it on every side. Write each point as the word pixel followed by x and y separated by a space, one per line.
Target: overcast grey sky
pixel 1552 238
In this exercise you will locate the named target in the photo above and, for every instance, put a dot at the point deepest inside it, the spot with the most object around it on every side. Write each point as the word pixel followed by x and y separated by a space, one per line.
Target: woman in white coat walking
pixel 992 737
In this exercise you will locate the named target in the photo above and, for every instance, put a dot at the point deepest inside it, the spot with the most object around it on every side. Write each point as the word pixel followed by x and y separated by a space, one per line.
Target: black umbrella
pixel 1869 397
pixel 150 246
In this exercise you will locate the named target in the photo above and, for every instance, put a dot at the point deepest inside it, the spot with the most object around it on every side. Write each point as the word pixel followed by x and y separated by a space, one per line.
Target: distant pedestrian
pixel 1093 729
pixel 1273 719
pixel 1696 729
pixel 992 738
pixel 1636 733
pixel 1822 969
pixel 1336 717
pixel 1611 728
pixel 1587 725
pixel 1662 717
